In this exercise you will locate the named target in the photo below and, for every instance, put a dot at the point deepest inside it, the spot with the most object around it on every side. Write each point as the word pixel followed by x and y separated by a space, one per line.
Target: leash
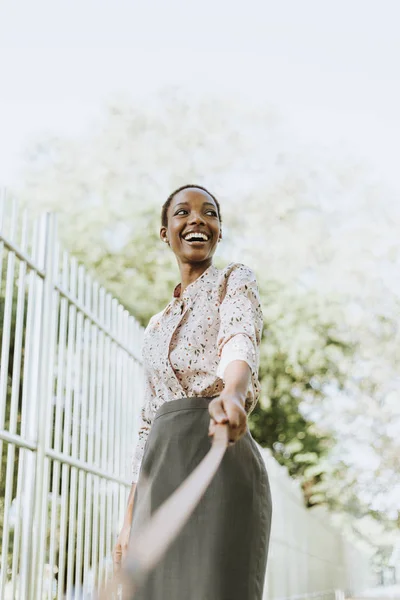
pixel 153 540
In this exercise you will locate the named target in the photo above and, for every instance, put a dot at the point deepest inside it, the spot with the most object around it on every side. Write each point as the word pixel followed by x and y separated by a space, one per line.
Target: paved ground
pixel 391 592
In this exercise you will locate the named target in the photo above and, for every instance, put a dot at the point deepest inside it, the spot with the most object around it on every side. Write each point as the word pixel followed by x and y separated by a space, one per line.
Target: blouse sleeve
pixel 241 325
pixel 144 425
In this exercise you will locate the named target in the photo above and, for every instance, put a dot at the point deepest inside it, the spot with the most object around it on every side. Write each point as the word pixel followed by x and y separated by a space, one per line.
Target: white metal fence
pixel 70 387
pixel 309 558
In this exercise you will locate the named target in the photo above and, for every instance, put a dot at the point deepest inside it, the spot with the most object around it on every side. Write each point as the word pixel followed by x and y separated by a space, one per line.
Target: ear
pixel 163 234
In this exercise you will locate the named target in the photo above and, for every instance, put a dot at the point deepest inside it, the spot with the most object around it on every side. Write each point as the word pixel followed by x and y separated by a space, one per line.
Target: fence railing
pixel 70 386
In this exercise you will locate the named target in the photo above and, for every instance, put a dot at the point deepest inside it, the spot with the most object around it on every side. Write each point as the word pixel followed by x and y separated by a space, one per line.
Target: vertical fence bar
pixel 99 307
pixel 31 383
pixel 66 441
pixel 57 427
pixel 76 416
pixel 28 343
pixel 82 481
pixel 118 440
pixel 48 393
pixel 6 334
pixel 2 211
pixel 105 444
pixel 44 399
pixel 122 418
pixel 16 372
pixel 88 580
pixel 111 437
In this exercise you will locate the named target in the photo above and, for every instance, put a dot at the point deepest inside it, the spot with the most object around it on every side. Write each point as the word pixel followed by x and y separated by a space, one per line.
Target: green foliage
pixel 304 219
pixel 292 384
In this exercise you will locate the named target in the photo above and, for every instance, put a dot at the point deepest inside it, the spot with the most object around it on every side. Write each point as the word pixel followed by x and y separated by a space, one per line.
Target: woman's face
pixel 192 210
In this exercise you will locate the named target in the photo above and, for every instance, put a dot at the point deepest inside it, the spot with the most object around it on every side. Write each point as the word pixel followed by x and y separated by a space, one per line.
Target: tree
pixel 316 226
pixel 294 373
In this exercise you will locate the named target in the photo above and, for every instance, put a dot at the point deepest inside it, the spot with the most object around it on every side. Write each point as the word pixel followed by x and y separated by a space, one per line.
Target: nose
pixel 196 217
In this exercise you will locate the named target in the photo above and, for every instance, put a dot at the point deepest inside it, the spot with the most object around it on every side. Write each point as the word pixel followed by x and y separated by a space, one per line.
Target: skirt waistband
pixel 192 403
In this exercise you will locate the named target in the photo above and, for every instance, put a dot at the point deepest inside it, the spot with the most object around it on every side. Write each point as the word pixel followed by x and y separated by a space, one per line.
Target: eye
pixel 211 210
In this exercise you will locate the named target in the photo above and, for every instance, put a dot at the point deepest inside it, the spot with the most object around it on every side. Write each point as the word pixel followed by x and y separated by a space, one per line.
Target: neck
pixel 192 271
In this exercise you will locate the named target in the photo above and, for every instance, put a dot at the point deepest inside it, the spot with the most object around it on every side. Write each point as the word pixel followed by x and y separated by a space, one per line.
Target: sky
pixel 331 68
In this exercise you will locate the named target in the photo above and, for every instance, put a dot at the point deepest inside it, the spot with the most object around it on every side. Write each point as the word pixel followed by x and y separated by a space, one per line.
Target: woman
pixel 201 357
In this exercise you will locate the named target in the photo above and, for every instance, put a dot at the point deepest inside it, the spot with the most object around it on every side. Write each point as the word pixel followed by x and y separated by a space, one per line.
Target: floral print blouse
pixel 187 346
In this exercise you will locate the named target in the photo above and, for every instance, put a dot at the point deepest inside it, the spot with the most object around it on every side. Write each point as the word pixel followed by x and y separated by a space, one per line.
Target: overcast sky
pixel 331 67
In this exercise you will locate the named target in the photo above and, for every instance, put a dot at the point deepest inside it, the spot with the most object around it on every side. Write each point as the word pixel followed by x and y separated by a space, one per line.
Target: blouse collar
pixel 192 288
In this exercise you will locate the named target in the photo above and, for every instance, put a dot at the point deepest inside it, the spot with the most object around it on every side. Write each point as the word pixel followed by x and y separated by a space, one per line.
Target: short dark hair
pixel 166 205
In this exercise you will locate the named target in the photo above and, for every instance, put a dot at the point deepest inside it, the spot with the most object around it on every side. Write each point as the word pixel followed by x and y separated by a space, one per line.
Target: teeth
pixel 190 236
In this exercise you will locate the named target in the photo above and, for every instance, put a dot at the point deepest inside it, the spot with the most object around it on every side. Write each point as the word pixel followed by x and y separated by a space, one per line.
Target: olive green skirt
pixel 221 553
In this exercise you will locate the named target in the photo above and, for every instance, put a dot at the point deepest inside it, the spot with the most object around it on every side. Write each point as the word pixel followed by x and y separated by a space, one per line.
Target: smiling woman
pixel 201 359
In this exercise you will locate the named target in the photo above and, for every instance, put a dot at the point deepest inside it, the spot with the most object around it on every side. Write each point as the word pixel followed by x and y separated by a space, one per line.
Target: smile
pixel 195 242
pixel 196 237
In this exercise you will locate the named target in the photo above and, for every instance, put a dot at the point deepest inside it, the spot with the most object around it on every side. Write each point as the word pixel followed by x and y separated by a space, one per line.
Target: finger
pixel 117 554
pixel 125 551
pixel 217 411
pixel 211 427
pixel 234 436
pixel 234 415
pixel 116 564
pixel 235 433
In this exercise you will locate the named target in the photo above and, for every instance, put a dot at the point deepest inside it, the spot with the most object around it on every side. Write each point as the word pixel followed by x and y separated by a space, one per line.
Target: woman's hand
pixel 121 547
pixel 228 407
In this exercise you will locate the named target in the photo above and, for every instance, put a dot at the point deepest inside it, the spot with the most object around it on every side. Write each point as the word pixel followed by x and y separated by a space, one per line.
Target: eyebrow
pixel 204 203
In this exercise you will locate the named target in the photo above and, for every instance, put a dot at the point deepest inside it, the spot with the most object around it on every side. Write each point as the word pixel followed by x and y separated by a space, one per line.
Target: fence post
pixel 44 399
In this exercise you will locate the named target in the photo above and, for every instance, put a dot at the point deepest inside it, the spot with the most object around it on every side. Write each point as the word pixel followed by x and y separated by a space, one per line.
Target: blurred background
pixel 289 114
